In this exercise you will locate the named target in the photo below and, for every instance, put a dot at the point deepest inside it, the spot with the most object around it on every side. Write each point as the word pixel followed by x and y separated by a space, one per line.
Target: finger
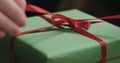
pixel 8 26
pixel 2 34
pixel 21 4
pixel 13 11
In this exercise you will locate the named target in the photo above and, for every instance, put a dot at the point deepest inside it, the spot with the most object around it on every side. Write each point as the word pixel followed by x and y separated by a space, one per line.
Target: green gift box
pixel 63 46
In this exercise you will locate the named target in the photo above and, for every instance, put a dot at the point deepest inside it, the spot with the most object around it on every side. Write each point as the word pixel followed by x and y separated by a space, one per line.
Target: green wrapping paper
pixel 115 60
pixel 63 46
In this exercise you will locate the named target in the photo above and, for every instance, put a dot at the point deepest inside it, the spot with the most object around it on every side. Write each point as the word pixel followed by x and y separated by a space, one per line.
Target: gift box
pixel 63 46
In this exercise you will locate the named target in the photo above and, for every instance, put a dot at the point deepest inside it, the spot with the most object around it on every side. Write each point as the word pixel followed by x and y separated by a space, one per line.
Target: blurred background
pixel 98 8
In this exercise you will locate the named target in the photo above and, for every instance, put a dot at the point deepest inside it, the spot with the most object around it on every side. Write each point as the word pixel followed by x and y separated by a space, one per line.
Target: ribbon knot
pixel 60 20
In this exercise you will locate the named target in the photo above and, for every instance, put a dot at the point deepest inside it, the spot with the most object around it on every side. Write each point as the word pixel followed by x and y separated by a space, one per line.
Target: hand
pixel 12 16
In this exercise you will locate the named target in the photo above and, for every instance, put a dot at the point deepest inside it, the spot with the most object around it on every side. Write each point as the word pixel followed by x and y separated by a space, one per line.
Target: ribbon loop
pixel 66 21
pixel 58 20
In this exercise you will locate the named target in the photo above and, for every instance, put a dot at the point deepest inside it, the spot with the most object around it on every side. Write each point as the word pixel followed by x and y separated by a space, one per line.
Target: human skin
pixel 12 16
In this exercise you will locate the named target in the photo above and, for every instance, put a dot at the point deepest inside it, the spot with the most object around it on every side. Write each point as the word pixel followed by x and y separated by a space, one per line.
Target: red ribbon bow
pixel 59 21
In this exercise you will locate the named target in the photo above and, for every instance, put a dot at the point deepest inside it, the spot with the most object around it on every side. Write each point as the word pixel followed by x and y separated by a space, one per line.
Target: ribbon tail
pixel 100 41
pixel 12 59
pixel 111 17
pixel 101 19
pixel 32 8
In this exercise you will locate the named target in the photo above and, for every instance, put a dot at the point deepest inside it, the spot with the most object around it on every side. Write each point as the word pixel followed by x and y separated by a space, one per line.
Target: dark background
pixel 50 5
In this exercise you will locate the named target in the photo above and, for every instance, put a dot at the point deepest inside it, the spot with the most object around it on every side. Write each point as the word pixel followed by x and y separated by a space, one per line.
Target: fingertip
pixel 23 22
pixel 15 31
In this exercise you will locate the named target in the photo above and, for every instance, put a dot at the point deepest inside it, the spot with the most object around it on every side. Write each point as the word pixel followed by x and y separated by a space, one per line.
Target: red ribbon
pixel 59 21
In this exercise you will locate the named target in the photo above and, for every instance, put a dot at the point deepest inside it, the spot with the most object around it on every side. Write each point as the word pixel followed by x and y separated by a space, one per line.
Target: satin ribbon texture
pixel 60 21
